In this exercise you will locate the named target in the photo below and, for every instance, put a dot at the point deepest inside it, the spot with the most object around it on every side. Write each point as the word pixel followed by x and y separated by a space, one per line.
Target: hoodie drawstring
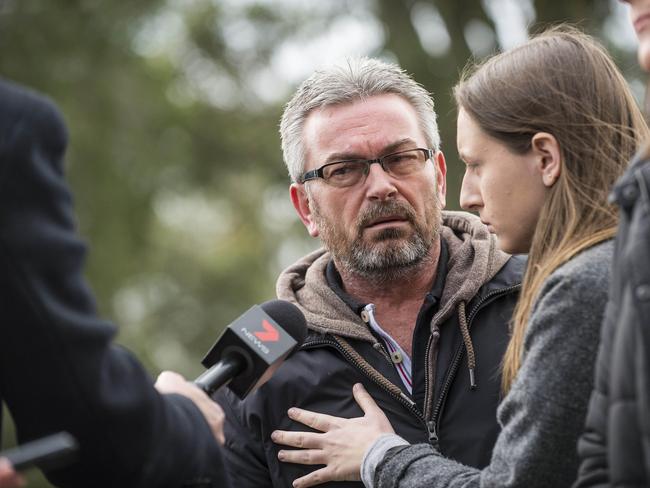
pixel 471 358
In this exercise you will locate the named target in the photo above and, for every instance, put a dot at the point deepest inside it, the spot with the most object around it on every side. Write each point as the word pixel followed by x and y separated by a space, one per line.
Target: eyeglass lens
pixel 348 173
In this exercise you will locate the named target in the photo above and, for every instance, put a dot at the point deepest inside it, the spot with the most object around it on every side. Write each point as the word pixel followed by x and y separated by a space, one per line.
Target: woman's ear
pixel 547 150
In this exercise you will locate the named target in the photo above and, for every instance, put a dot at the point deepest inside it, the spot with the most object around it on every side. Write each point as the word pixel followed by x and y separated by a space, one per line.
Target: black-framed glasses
pixel 353 171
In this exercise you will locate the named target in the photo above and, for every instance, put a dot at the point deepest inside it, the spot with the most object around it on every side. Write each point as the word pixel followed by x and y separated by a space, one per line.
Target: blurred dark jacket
pixel 615 447
pixel 58 367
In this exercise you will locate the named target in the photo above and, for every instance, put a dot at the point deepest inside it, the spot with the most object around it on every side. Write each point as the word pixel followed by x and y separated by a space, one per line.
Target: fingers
pixel 8 477
pixel 364 399
pixel 318 421
pixel 373 413
pixel 169 382
pixel 297 439
pixel 212 412
pixel 314 478
pixel 325 423
pixel 216 419
pixel 302 456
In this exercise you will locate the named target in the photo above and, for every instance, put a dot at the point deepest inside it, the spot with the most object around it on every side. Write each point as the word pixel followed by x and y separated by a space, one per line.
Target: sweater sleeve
pixel 543 413
pixel 375 454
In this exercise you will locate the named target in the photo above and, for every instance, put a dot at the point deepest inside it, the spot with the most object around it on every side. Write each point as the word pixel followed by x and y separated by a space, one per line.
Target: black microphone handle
pixel 221 373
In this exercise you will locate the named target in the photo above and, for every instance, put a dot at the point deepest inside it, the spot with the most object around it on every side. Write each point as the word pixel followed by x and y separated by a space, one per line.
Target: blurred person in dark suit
pixel 59 369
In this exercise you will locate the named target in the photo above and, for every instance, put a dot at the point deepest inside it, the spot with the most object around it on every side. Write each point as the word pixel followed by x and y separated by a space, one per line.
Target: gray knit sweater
pixel 543 413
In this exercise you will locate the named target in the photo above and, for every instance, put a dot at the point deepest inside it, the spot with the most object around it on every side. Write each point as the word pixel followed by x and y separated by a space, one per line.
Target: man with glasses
pixel 409 300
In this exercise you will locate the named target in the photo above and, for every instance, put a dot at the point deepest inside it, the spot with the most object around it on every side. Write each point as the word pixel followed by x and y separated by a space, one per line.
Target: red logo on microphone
pixel 270 333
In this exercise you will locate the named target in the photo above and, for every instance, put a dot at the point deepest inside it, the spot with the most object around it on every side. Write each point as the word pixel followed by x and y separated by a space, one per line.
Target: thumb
pixel 364 400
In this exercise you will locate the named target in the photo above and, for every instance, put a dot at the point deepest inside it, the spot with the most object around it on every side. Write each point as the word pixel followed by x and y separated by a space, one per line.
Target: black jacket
pixel 615 447
pixel 461 421
pixel 58 367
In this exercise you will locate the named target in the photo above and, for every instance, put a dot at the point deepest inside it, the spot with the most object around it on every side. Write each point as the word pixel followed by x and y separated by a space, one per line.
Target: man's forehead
pixel 370 125
pixel 362 104
pixel 354 151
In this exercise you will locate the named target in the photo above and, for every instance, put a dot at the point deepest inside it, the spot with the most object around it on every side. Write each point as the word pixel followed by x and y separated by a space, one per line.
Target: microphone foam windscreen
pixel 288 316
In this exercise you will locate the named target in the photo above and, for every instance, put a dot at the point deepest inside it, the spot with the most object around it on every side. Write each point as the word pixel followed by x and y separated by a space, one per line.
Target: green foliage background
pixel 174 154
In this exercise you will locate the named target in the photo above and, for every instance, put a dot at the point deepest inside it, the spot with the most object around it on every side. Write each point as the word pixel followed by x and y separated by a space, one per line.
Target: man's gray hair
pixel 357 79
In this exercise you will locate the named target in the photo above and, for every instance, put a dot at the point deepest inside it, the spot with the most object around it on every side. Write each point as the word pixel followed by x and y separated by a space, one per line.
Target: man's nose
pixel 379 184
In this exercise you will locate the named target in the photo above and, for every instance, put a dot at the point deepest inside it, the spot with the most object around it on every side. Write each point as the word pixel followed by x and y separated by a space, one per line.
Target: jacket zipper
pixel 432 425
pixel 433 341
pixel 434 422
pixel 402 398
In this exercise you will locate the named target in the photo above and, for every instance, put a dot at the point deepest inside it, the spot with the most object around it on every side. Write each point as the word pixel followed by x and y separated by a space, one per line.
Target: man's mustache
pixel 385 209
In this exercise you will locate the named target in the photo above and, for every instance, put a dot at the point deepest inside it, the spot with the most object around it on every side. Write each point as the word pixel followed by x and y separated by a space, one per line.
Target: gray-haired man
pixel 409 300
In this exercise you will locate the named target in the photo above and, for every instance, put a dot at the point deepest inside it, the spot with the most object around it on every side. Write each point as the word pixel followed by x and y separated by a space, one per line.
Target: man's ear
pixel 301 203
pixel 441 177
pixel 547 152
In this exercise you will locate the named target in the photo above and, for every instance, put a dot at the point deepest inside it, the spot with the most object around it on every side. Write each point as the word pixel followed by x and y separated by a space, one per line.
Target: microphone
pixel 251 348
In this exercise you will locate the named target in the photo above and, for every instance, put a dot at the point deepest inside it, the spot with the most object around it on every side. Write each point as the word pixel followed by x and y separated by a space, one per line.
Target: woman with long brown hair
pixel 545 130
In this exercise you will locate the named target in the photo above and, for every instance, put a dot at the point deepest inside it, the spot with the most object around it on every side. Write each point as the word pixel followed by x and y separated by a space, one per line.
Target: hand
pixel 8 477
pixel 170 382
pixel 342 458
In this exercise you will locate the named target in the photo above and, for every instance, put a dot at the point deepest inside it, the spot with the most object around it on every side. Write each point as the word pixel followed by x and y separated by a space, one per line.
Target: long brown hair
pixel 564 83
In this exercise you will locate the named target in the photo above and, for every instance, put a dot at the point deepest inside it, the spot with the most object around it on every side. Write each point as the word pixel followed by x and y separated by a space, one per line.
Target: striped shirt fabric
pixel 400 358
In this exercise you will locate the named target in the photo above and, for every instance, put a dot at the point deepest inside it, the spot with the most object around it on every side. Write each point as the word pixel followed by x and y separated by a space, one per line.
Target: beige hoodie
pixel 473 261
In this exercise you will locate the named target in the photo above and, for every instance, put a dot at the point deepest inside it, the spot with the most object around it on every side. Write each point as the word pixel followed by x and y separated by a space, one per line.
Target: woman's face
pixel 506 189
pixel 640 18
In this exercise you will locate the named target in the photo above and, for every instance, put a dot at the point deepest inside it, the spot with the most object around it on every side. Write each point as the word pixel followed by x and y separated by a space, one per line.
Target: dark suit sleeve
pixel 244 450
pixel 58 367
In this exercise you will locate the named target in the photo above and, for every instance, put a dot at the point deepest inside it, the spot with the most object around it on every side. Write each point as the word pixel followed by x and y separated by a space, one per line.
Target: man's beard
pixel 390 254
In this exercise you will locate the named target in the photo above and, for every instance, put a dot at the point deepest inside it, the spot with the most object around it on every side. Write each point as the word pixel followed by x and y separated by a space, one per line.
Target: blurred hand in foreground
pixel 170 382
pixel 8 477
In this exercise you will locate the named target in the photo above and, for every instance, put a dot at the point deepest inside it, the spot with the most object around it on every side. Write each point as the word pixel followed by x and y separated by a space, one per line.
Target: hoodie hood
pixel 473 261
